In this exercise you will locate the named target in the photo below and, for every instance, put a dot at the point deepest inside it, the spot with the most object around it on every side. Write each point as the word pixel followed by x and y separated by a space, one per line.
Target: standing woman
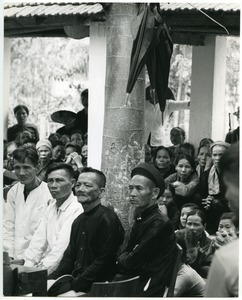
pixel 185 180
pixel 162 161
pixel 21 113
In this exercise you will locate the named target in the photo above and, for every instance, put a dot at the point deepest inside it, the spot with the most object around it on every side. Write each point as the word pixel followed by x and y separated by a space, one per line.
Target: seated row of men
pixel 45 225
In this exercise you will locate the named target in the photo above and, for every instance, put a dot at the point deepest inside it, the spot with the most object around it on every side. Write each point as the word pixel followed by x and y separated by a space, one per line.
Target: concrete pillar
pixel 6 85
pixel 123 134
pixel 97 72
pixel 207 109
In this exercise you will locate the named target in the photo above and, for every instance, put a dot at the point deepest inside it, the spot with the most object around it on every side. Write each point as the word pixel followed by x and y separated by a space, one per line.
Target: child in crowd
pixel 185 209
pixel 227 231
pixel 167 206
pixel 185 180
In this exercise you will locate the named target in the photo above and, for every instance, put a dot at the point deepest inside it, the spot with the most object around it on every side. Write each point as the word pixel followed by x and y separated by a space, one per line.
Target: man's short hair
pixel 61 166
pixel 18 107
pixel 198 212
pixel 23 152
pixel 100 175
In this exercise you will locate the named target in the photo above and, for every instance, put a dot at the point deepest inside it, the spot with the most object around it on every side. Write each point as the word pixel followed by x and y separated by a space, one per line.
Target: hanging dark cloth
pixel 152 46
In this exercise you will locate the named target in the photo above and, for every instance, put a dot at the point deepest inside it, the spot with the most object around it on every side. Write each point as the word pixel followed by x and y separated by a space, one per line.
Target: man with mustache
pixel 53 234
pixel 151 248
pixel 95 238
pixel 26 203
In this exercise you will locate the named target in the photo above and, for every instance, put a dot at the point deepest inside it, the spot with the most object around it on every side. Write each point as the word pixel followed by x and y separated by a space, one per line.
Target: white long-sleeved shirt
pixel 153 119
pixel 53 234
pixel 22 217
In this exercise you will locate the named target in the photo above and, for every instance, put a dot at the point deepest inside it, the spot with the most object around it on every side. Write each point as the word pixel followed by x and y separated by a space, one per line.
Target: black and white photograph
pixel 121 146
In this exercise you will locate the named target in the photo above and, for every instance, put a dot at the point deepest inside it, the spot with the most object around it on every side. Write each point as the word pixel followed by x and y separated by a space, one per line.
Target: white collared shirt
pixel 22 217
pixel 53 234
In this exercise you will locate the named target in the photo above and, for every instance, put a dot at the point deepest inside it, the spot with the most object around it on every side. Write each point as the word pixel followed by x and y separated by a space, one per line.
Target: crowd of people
pixel 183 201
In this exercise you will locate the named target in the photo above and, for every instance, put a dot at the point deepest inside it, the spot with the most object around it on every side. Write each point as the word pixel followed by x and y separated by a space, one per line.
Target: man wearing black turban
pixel 151 248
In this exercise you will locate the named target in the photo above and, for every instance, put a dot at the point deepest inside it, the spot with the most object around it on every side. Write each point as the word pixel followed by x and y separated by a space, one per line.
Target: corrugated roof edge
pixel 171 6
pixel 49 3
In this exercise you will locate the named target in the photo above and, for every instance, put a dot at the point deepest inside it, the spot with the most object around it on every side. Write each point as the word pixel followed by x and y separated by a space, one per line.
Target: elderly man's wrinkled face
pixel 142 192
pixel 87 188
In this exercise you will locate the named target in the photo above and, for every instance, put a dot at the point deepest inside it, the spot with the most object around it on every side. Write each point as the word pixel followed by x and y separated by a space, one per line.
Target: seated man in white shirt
pixel 26 203
pixel 53 234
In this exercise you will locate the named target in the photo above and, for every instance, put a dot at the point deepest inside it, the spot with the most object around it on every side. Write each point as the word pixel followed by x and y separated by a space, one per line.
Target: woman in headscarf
pixel 44 149
pixel 212 190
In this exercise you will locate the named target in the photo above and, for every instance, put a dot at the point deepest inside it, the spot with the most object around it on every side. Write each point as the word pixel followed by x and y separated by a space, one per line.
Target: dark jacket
pixel 204 256
pixel 91 255
pixel 232 136
pixel 150 251
pixel 14 131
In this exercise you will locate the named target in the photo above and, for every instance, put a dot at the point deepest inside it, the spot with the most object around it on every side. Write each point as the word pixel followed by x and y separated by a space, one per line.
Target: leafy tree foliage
pixel 47 74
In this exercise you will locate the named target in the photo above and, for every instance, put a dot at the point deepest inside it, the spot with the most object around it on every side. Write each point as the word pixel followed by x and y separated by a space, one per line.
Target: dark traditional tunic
pixel 81 121
pixel 91 255
pixel 232 136
pixel 150 251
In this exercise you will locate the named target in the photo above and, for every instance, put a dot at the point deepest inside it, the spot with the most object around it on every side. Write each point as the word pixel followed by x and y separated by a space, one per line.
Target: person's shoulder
pixel 11 128
pixel 16 188
pixel 43 185
pixel 107 211
pixel 229 252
